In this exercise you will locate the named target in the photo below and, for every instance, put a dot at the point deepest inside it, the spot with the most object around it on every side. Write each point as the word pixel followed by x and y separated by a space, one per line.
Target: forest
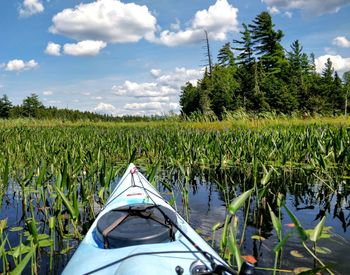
pixel 256 74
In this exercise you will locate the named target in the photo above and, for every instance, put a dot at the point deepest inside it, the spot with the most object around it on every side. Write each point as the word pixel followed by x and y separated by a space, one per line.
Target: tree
pixel 5 107
pixel 337 96
pixel 222 94
pixel 225 56
pixel 31 105
pixel 266 42
pixel 246 50
pixel 189 99
pixel 298 72
pixel 346 78
pixel 327 84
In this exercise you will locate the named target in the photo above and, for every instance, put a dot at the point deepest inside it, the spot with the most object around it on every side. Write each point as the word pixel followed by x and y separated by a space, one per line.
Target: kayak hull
pixel 160 258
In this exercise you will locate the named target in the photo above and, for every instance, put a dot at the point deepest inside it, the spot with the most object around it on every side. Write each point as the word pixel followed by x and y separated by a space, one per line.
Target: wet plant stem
pixel 316 258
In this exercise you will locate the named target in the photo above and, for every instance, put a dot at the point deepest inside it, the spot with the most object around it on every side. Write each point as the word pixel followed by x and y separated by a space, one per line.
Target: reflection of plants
pixel 315 235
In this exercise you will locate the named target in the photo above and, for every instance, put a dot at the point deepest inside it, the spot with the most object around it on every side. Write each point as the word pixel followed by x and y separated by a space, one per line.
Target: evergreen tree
pixel 246 50
pixel 337 95
pixel 224 87
pixel 189 99
pixel 5 106
pixel 346 78
pixel 225 56
pixel 266 42
pixel 31 105
pixel 298 71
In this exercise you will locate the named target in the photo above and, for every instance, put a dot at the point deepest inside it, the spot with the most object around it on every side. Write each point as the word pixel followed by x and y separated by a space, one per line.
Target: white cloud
pixel 341 41
pixel 96 97
pixel 158 107
pixel 155 72
pixel 20 65
pixel 166 84
pixel 30 7
pixel 273 10
pixel 288 14
pixel 48 93
pixel 53 49
pixel 219 20
pixel 160 99
pixel 317 7
pixel 106 20
pixel 175 26
pixel 84 48
pixel 105 108
pixel 340 64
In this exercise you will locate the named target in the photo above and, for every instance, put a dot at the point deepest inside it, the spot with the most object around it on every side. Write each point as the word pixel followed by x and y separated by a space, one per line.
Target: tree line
pixel 265 77
pixel 32 107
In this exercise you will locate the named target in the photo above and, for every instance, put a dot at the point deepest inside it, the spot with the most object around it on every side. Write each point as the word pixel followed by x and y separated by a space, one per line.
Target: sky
pixel 123 57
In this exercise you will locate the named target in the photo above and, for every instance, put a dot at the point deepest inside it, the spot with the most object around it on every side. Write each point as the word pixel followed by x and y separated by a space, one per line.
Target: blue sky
pixel 132 57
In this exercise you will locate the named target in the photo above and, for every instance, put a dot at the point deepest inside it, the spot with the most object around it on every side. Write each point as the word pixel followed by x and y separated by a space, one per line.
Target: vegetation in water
pixel 57 175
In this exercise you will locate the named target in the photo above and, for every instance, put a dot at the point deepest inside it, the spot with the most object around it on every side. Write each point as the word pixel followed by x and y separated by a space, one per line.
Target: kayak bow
pixel 138 232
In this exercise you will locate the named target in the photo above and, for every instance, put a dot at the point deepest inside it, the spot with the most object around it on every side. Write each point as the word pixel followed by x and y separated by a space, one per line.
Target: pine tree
pixel 189 99
pixel 5 107
pixel 346 78
pixel 337 96
pixel 266 42
pixel 31 105
pixel 246 50
pixel 225 56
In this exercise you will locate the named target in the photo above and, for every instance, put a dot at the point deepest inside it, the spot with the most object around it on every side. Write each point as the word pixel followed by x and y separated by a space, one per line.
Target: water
pixel 309 197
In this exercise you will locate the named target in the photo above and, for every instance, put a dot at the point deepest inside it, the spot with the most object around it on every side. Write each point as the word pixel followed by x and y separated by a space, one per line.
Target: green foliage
pixel 265 78
pixel 5 107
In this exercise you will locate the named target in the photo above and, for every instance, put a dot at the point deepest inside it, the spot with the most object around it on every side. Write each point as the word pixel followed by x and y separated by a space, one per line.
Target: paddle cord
pixel 148 253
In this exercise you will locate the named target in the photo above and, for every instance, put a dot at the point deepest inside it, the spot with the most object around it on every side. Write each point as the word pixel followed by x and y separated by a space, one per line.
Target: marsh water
pixel 308 195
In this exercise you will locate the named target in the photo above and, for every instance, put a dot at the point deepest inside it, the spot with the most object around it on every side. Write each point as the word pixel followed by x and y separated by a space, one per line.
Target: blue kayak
pixel 138 232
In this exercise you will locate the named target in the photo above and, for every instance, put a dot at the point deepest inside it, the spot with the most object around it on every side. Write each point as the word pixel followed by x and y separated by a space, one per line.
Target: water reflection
pixel 203 197
pixel 309 196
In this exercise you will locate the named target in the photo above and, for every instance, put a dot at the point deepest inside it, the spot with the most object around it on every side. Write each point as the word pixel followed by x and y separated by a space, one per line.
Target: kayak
pixel 138 232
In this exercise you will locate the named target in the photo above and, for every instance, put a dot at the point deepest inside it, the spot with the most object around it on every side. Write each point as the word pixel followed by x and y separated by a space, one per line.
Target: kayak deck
pixel 164 258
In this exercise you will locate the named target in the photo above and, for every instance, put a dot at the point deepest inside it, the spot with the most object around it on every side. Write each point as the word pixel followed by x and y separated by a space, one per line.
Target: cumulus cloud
pixel 317 7
pixel 84 48
pixel 340 64
pixel 273 10
pixel 219 20
pixel 166 84
pixel 30 7
pixel 158 96
pixel 105 20
pixel 105 108
pixel 48 93
pixel 341 41
pixel 53 49
pixel 155 72
pixel 18 65
pixel 156 107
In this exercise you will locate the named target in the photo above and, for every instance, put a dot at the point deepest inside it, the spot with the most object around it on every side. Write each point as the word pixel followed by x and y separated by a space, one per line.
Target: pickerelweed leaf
pixel 323 250
pixel 296 253
pixel 16 228
pixel 316 233
pixel 257 237
pixel 239 201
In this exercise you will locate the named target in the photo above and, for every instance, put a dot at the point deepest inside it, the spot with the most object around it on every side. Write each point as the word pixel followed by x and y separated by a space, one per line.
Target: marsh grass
pixel 58 172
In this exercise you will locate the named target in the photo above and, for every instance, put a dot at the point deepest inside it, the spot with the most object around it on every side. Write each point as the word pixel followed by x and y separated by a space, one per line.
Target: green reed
pixel 62 172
